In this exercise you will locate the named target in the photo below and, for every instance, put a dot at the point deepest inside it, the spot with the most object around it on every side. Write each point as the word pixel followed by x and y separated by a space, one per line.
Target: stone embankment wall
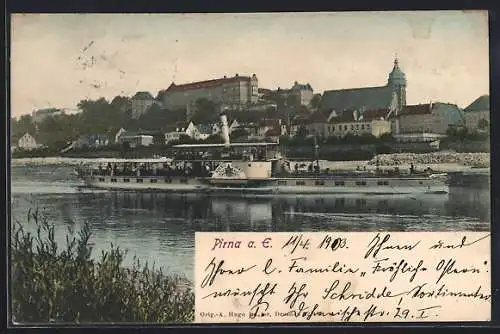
pixel 481 160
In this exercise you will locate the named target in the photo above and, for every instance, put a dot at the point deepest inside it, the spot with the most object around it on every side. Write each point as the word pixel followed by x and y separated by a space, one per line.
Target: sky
pixel 60 59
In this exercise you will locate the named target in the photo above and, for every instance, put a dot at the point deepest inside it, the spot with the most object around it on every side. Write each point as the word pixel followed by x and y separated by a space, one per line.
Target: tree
pixel 23 125
pixel 301 132
pixel 239 134
pixel 214 139
pixel 316 101
pixel 154 118
pixel 275 97
pixel 483 124
pixel 292 101
pixel 206 111
pixel 387 138
pixel 123 103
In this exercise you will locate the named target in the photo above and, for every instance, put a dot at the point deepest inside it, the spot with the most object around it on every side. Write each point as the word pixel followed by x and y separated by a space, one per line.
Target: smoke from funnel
pixel 225 129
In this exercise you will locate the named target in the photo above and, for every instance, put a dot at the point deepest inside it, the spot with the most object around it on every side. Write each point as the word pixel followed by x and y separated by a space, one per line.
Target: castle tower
pixel 397 82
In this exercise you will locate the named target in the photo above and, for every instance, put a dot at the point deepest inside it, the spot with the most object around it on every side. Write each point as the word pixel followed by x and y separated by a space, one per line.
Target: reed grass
pixel 64 284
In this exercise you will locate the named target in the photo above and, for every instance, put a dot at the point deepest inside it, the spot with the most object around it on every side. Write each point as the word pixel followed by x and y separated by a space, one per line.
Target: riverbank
pixel 62 282
pixel 438 161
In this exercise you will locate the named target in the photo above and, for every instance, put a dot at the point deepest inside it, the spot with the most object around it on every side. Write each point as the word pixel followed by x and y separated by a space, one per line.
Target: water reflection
pixel 188 213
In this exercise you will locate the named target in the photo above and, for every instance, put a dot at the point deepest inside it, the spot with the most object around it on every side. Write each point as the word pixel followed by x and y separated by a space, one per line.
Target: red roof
pixel 369 115
pixel 344 117
pixel 205 84
pixel 418 109
pixel 320 117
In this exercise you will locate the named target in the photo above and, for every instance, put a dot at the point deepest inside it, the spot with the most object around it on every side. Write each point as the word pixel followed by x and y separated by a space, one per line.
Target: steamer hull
pixel 381 186
pixel 341 185
pixel 144 183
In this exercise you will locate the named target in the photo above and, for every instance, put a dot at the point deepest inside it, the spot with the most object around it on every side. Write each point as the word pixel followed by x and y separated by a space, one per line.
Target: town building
pixel 40 115
pixel 206 130
pixel 117 135
pixel 228 91
pixel 434 118
pixel 302 92
pixel 91 141
pixel 262 92
pixel 392 95
pixel 477 114
pixel 141 102
pixel 271 127
pixel 135 139
pixel 297 123
pixel 27 142
pixel 174 132
pixel 368 122
pixel 234 124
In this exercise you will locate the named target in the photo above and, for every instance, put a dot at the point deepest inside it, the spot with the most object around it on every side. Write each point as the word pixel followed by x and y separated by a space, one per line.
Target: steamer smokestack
pixel 225 129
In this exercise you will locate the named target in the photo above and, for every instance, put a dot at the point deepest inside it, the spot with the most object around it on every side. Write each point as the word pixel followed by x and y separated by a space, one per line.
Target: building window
pixel 168 180
pixel 357 126
pixel 101 179
pixel 184 181
pixel 153 180
pixel 361 183
pixel 345 127
pixel 352 127
pixel 368 126
pixel 113 180
pixel 320 183
pixel 300 183
pixel 339 183
pixel 138 180
pixel 126 180
pixel 362 126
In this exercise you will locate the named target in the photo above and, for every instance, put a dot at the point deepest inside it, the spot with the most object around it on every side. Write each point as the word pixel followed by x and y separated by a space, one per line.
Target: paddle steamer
pixel 243 168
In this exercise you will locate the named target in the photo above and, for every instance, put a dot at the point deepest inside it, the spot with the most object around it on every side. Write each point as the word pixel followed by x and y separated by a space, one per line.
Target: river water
pixel 160 228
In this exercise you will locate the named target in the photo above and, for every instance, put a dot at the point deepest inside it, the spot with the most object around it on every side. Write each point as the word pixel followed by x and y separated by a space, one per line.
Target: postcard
pixel 327 167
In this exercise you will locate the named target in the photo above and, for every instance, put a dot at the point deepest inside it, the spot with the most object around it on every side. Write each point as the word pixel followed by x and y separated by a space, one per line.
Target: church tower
pixel 397 82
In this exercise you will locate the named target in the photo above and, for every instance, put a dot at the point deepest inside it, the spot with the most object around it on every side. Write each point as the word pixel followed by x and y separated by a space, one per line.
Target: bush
pixel 53 284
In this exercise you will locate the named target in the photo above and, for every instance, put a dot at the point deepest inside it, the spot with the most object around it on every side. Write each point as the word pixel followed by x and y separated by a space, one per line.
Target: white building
pixel 175 132
pixel 369 122
pixel 27 142
pixel 137 140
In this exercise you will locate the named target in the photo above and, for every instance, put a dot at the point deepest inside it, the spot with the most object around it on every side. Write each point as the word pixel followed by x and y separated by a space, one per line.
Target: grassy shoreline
pixel 62 283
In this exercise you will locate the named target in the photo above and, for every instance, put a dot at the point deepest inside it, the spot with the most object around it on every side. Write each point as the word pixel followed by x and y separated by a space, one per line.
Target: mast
pixel 316 150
